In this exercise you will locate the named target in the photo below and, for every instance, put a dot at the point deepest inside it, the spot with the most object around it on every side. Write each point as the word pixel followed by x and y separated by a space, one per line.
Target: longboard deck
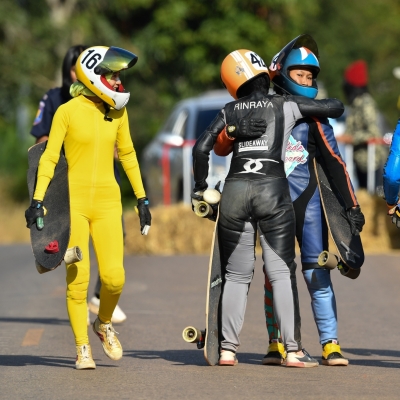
pixel 214 291
pixel 348 246
pixel 56 202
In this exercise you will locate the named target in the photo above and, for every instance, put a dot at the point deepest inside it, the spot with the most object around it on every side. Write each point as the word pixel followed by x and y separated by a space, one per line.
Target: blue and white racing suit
pixel 313 138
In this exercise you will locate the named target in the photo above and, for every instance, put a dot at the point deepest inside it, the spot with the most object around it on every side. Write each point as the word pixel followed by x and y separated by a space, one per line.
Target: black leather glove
pixel 34 212
pixel 144 215
pixel 396 217
pixel 247 128
pixel 356 220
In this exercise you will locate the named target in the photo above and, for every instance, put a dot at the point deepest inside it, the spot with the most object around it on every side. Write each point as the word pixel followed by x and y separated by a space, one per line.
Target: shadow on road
pixel 25 360
pixel 46 321
pixel 374 362
pixel 187 357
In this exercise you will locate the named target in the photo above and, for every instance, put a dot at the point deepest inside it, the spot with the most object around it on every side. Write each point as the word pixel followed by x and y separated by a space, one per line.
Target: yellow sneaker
pixel 276 354
pixel 331 354
pixel 111 345
pixel 84 359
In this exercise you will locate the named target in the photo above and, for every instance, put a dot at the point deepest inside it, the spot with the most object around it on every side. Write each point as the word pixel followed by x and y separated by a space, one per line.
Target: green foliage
pixel 181 44
pixel 14 162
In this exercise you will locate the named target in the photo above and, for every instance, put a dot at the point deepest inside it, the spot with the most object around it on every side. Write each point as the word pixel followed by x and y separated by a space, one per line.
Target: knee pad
pixel 114 284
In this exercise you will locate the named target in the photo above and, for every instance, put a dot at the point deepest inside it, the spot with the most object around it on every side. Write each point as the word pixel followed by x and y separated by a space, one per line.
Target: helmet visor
pixel 116 59
pixel 304 40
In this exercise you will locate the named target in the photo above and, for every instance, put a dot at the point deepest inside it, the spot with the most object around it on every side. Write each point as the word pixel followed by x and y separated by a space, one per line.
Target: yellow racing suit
pixel 95 199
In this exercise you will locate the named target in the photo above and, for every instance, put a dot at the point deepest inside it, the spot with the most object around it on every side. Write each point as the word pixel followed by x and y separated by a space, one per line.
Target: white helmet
pixel 92 65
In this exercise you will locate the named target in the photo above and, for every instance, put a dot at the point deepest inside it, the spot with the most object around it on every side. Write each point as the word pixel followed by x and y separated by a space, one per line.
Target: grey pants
pixel 272 214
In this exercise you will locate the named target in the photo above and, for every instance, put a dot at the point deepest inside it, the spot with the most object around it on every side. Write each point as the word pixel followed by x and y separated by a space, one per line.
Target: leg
pixel 274 211
pixel 237 244
pixel 312 235
pixel 276 351
pixel 78 279
pixel 106 231
pixel 323 302
pixel 108 244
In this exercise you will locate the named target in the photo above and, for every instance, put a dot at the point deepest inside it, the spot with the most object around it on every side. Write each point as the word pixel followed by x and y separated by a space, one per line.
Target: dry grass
pixel 176 230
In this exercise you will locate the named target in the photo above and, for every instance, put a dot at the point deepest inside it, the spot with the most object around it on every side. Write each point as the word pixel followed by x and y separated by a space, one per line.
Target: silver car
pixel 166 163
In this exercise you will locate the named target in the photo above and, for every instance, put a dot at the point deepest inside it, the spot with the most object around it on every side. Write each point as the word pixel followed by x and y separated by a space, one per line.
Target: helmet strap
pixel 107 108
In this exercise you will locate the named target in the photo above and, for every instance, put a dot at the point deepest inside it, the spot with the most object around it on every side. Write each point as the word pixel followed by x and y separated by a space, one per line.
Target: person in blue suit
pixel 391 177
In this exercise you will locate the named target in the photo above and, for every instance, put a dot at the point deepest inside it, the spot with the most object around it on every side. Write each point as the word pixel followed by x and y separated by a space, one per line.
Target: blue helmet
pixel 301 52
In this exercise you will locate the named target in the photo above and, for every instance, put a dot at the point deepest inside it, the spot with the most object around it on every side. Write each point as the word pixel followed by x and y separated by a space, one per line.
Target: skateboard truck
pixel 72 255
pixel 331 261
pixel 194 335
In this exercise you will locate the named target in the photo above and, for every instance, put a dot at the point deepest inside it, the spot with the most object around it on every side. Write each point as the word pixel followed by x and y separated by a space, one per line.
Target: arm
pixel 326 108
pixel 327 145
pixel 391 170
pixel 202 148
pixel 224 144
pixel 127 156
pixel 44 117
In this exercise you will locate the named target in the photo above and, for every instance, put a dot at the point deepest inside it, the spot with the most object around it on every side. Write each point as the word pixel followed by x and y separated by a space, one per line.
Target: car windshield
pixel 204 118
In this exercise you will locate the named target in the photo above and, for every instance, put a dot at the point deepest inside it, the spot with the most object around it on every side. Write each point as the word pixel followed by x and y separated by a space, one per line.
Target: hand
pixel 144 215
pixel 394 213
pixel 34 212
pixel 246 128
pixel 356 219
pixel 206 209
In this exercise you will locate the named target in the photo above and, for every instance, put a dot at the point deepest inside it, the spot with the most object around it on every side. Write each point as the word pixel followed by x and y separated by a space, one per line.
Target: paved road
pixel 161 297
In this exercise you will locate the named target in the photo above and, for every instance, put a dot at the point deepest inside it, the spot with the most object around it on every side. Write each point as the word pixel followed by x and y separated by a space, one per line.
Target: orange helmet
pixel 240 67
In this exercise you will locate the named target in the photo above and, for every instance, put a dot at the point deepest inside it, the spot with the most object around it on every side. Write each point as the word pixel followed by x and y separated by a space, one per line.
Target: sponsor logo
pixel 239 70
pixel 251 145
pixel 295 154
pixel 350 254
pixel 247 105
pixel 217 282
pixel 254 165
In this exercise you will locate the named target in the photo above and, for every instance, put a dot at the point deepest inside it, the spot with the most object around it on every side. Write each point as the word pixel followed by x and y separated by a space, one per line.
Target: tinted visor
pixel 116 59
pixel 304 40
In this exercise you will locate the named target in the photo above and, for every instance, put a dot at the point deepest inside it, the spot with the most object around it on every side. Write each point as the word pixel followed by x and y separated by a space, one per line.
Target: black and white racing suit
pixel 256 196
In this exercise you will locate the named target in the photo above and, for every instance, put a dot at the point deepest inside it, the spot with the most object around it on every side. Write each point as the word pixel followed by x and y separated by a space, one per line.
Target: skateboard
pixel 210 337
pixel 50 240
pixel 349 256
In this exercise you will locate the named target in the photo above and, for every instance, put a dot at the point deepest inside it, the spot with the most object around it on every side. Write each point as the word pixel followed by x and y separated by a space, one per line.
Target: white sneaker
pixel 106 333
pixel 227 357
pixel 118 315
pixel 84 359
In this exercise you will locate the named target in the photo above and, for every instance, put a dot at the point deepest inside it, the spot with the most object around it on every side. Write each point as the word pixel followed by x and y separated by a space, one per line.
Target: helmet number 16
pixel 93 60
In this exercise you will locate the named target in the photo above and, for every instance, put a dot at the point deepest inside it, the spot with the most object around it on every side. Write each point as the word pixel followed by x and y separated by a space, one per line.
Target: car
pixel 166 162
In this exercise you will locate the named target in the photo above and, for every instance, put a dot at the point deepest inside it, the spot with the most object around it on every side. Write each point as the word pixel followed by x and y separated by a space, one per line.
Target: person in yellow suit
pixel 88 126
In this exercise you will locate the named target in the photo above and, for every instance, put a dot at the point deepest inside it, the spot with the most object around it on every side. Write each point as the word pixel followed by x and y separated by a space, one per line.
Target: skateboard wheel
pixel 192 335
pixel 348 272
pixel 212 196
pixel 73 255
pixel 202 209
pixel 328 260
